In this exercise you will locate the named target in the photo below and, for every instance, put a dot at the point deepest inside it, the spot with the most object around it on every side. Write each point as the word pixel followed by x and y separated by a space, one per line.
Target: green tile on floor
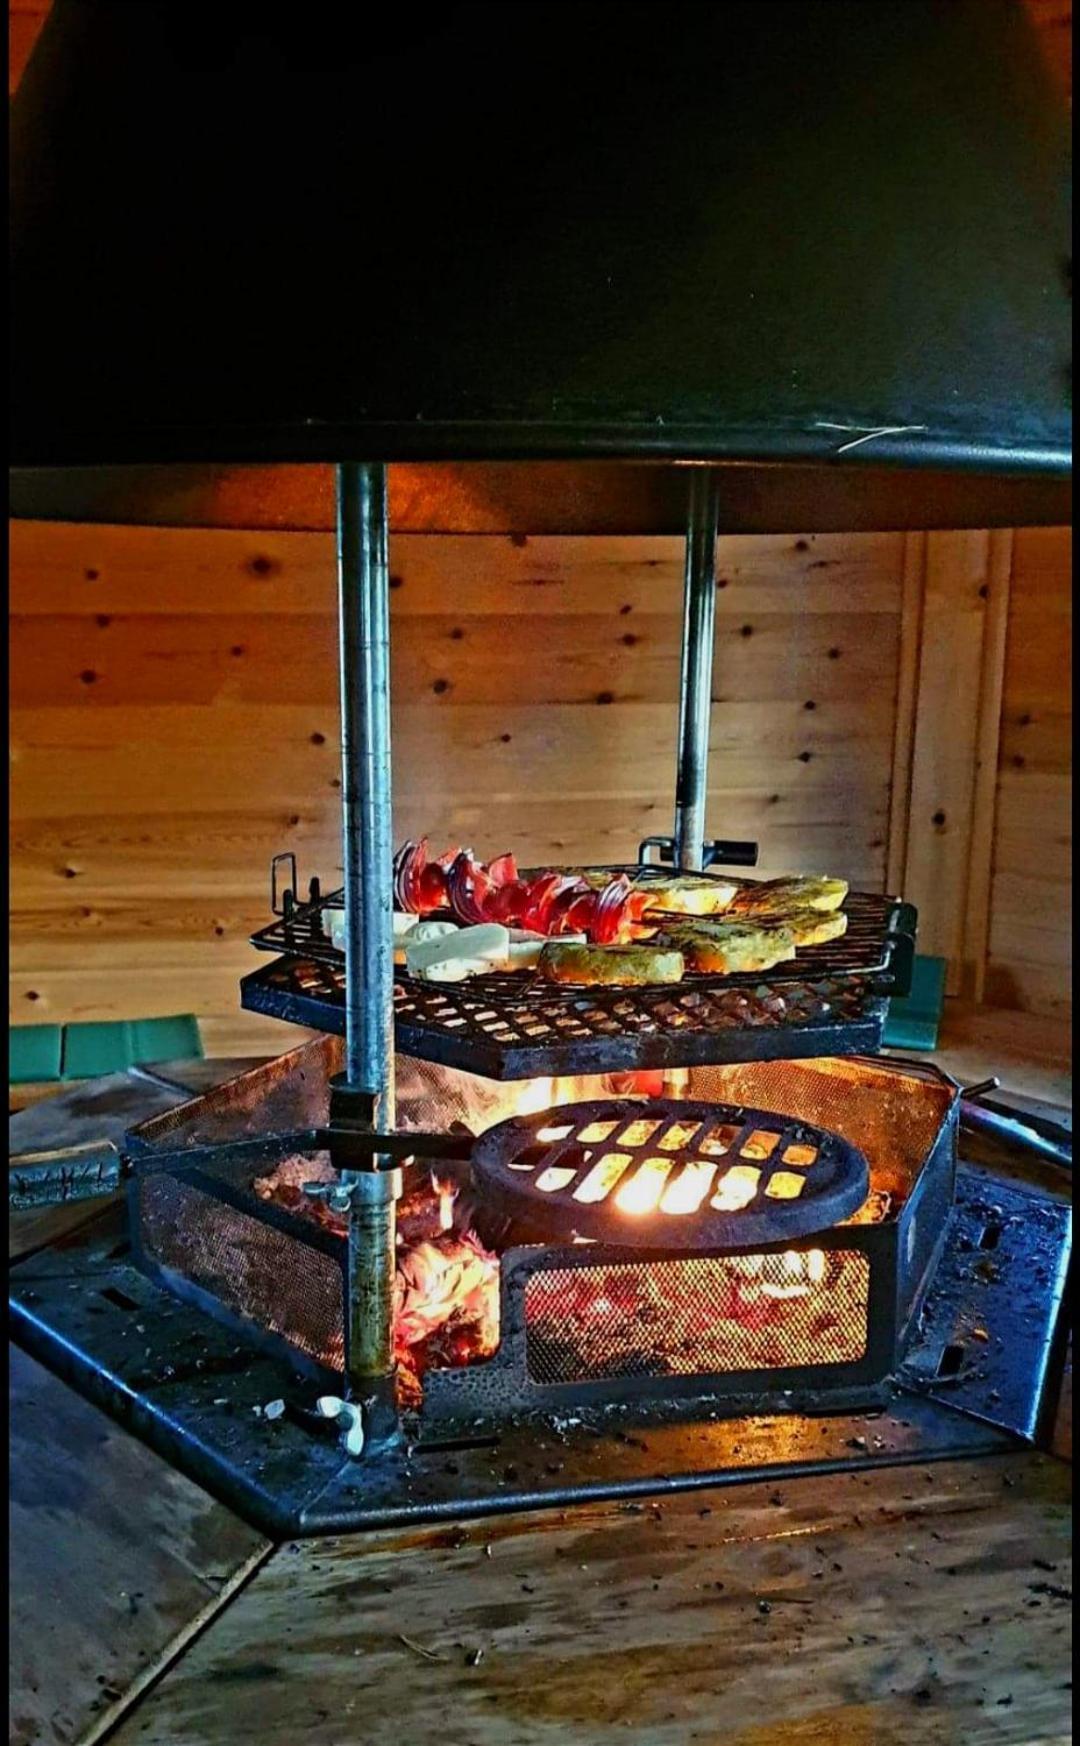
pixel 93 1049
pixel 33 1054
pixel 913 1022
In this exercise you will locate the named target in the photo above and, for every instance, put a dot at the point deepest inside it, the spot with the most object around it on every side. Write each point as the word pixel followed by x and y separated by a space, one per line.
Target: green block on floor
pixel 93 1049
pixel 913 1021
pixel 33 1054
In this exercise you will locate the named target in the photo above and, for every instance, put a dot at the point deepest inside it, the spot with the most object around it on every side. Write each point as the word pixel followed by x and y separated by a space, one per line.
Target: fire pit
pixel 534 1361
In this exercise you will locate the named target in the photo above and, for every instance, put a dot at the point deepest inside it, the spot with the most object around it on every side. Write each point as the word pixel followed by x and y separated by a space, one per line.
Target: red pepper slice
pixel 432 887
pixel 507 904
pixel 542 897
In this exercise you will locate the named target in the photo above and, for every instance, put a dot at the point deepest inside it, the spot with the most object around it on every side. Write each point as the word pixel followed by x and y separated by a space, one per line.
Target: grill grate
pixel 498 1027
pixel 671 1175
pixel 875 926
pixel 697 1316
pixel 831 1000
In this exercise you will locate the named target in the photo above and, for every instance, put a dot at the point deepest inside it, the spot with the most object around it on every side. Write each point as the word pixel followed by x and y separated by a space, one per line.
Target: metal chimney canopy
pixel 706 232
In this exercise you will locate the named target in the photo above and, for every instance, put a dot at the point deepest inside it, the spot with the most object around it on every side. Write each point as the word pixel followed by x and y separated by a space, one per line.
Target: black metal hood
pixel 801 231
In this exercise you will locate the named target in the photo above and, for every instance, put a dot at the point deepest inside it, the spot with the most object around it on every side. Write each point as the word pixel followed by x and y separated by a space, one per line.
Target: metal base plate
pixel 197 1394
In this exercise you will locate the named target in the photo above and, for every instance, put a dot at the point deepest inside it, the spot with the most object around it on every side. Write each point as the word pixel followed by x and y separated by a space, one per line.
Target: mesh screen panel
pixel 893 1117
pixel 253 1269
pixel 696 1316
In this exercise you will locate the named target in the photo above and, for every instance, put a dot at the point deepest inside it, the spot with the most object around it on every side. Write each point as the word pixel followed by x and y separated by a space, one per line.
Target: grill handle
pixel 93 1171
pixel 72 1173
pixel 722 853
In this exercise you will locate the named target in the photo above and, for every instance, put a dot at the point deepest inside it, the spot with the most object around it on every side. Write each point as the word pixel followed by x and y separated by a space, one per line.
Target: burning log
pixel 446 1290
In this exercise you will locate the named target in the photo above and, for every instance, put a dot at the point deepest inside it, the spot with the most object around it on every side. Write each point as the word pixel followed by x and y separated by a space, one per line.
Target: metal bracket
pixel 283 904
pixel 724 852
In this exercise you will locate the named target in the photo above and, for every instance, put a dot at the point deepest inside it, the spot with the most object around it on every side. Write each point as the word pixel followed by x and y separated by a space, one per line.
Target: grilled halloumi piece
pixel 799 891
pixel 729 947
pixel 631 966
pixel 812 927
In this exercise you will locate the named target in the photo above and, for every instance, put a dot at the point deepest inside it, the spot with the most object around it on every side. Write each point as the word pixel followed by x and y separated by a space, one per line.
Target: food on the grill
pixel 525 948
pixel 812 927
pixel 796 891
pixel 455 956
pixel 761 922
pixel 561 961
pixel 728 948
pixel 675 893
pixel 432 929
pixel 334 921
pixel 554 903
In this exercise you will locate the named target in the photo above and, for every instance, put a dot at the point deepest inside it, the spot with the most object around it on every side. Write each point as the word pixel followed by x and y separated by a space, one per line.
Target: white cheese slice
pixel 430 930
pixel 466 952
pixel 334 922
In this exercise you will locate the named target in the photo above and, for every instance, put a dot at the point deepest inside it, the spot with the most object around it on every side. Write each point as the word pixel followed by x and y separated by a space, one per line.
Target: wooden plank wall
pixel 1030 936
pixel 175 723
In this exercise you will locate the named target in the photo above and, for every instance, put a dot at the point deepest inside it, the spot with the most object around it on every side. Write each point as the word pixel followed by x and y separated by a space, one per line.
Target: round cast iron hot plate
pixel 670 1175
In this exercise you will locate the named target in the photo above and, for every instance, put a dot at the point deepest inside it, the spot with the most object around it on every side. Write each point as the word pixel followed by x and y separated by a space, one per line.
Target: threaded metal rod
pixel 367 830
pixel 695 683
pixel 367 853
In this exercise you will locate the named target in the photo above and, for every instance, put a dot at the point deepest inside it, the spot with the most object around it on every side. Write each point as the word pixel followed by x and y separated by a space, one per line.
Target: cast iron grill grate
pixel 697 1315
pixel 831 1000
pixel 503 1028
pixel 670 1175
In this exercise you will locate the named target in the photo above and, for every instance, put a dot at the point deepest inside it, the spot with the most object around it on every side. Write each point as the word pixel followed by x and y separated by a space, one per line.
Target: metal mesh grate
pixel 498 1026
pixel 830 1000
pixel 259 1273
pixel 697 1316
pixel 892 1111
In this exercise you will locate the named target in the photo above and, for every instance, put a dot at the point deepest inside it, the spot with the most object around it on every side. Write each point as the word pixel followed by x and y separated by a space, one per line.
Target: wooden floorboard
pixel 1030 1053
pixel 909 1607
pixel 115 1560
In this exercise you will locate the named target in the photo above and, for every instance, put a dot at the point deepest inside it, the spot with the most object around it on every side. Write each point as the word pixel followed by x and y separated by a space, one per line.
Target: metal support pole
pixel 366 1095
pixel 695 686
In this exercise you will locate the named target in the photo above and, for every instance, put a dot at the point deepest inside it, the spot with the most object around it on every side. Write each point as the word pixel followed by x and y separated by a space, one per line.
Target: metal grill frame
pixel 421 1030
pixel 837 994
pixel 902 1252
pixel 226 1194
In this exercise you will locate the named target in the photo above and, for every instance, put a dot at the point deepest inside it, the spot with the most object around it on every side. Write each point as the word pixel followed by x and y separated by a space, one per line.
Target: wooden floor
pixel 915 1606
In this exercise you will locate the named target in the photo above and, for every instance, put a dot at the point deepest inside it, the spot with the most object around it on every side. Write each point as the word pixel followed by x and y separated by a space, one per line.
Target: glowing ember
pixel 446 1288
pixel 602 1178
pixel 784 1185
